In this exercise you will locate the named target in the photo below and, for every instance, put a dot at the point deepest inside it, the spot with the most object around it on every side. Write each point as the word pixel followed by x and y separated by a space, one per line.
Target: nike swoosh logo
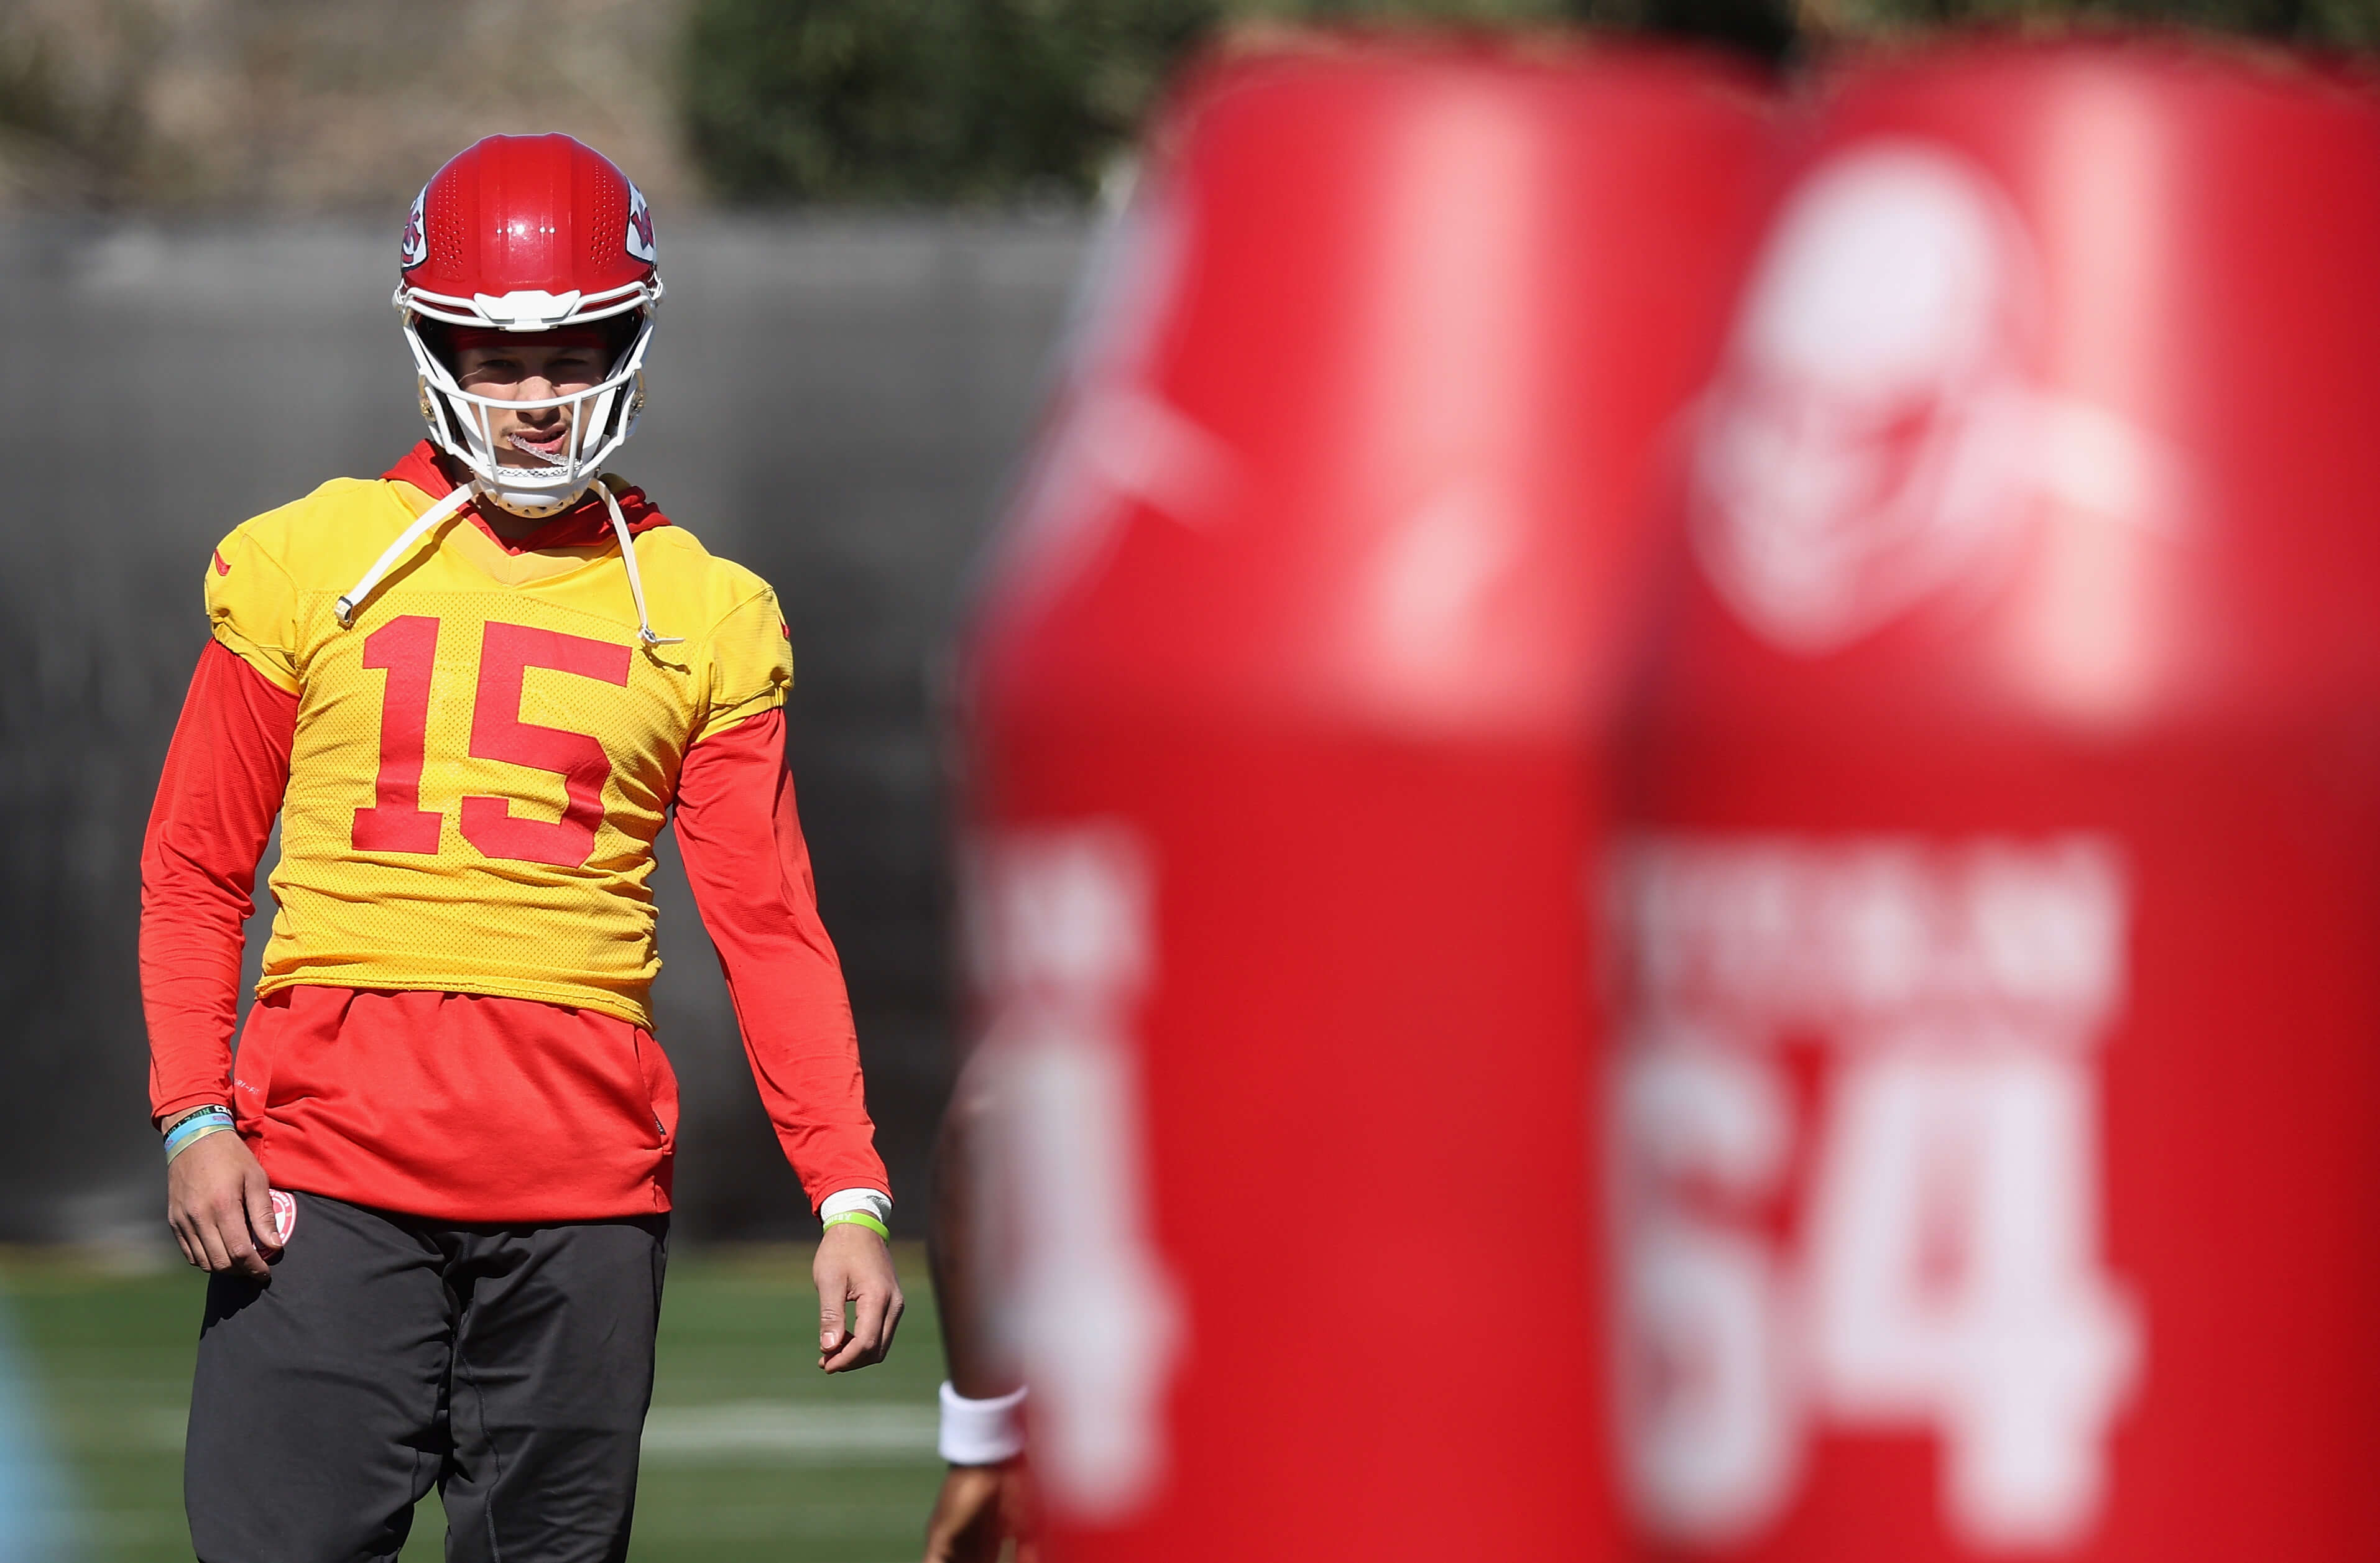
pixel 222 567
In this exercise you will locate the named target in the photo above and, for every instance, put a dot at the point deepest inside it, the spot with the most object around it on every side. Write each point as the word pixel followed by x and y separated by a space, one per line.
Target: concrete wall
pixel 837 403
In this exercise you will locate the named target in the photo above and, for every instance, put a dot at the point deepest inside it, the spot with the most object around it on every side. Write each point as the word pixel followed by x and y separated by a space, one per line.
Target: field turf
pixel 751 1453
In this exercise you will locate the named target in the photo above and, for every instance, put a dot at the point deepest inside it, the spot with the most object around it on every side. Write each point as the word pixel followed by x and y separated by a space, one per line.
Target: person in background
pixel 986 1500
pixel 37 1511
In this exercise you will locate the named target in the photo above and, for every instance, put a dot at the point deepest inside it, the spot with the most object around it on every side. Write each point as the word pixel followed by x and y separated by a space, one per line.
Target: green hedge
pixel 923 100
pixel 998 101
pixel 878 100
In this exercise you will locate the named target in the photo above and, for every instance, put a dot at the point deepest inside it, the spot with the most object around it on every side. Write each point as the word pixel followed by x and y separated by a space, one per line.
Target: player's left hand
pixel 859 1298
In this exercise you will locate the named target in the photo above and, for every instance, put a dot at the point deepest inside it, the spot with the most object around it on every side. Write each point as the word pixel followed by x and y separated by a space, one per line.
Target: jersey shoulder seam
pixel 744 584
pixel 763 589
pixel 269 530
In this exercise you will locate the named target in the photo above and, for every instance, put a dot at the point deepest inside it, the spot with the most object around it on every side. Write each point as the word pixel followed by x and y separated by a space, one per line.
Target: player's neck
pixel 508 527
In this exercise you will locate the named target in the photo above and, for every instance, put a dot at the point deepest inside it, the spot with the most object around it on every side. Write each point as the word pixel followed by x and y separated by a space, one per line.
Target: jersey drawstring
pixel 396 551
pixel 452 504
pixel 636 582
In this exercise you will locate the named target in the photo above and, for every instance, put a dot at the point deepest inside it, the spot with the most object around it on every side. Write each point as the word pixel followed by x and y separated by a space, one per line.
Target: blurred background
pixel 871 213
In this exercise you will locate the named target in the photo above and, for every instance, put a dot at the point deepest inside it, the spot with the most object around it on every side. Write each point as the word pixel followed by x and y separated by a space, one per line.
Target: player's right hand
pixel 979 1507
pixel 219 1205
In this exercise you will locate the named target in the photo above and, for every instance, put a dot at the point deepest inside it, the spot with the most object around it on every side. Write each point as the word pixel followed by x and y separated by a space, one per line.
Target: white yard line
pixel 858 1433
pixel 779 1432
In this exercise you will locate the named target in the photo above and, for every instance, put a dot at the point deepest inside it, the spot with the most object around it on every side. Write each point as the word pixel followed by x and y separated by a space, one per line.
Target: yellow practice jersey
pixel 483 759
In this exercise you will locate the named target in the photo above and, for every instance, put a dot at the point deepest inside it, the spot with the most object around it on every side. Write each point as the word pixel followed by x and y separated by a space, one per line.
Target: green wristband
pixel 858 1218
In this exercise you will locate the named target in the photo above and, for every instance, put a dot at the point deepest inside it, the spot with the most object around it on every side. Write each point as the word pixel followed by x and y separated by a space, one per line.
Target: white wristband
pixel 868 1201
pixel 981 1431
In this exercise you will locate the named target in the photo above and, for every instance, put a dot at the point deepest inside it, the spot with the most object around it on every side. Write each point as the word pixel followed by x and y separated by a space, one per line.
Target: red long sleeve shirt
pixel 470 1108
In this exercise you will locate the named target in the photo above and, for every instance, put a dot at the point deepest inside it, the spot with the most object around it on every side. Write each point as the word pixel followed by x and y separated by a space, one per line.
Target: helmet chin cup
pixel 533 504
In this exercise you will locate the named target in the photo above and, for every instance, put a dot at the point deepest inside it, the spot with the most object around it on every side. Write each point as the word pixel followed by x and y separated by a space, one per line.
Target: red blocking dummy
pixel 2000 1113
pixel 1286 706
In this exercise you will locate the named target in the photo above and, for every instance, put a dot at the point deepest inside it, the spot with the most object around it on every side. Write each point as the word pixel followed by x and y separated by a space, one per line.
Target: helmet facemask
pixel 601 418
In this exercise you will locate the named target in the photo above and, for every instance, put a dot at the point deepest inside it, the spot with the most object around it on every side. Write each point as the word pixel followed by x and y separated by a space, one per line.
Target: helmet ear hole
pixel 448 424
pixel 620 416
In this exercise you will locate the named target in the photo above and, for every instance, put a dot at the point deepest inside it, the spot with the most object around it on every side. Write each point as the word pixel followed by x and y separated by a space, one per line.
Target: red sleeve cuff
pixel 181 1104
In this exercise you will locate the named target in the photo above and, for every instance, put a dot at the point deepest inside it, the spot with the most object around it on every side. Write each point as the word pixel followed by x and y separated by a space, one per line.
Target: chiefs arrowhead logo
pixel 640 227
pixel 222 565
pixel 415 247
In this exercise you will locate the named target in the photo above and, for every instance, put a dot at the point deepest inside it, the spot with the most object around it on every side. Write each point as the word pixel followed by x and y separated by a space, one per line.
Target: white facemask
pixel 601 419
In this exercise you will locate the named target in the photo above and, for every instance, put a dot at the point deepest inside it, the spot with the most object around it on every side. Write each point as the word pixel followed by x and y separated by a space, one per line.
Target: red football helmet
pixel 530 233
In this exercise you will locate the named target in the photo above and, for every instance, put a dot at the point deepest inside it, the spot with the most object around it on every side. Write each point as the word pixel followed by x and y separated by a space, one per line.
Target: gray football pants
pixel 510 1366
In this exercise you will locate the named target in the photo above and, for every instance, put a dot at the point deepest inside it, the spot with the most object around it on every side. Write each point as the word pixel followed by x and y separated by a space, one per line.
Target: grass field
pixel 750 1452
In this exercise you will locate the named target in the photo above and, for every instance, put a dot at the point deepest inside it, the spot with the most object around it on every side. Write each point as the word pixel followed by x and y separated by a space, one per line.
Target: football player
pixel 432 1191
pixel 986 1500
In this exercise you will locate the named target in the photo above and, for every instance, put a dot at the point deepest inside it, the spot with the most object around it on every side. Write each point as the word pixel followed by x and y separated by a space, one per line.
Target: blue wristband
pixel 195 1127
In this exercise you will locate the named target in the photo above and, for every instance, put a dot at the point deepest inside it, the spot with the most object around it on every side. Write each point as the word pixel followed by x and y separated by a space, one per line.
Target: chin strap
pixel 443 510
pixel 636 582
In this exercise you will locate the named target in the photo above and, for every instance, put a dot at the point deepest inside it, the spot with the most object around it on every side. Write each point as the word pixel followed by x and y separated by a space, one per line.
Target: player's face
pixel 531 369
